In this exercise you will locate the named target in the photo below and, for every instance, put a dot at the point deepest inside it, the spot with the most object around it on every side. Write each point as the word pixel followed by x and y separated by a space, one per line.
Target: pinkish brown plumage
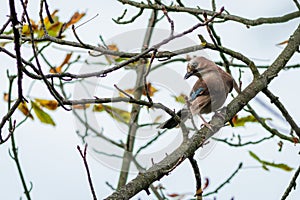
pixel 208 94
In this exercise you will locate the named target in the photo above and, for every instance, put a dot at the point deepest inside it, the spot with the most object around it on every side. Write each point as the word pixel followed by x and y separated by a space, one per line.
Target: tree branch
pixel 198 11
pixel 83 156
pixel 157 171
pixel 291 185
pixel 282 109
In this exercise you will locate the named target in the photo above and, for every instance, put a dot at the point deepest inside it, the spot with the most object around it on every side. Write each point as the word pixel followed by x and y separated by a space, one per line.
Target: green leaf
pixel 241 121
pixel 270 164
pixel 253 155
pixel 180 99
pixel 42 115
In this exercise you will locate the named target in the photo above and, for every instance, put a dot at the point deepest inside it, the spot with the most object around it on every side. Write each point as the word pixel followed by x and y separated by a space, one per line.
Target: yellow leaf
pixel 181 98
pixel 151 90
pixel 59 68
pixel 109 58
pixel 98 108
pixel 116 113
pixel 75 18
pixel 113 47
pixel 46 20
pixel 52 28
pixel 24 109
pixel 237 121
pixel 26 28
pixel 2 44
pixel 42 115
pixel 49 104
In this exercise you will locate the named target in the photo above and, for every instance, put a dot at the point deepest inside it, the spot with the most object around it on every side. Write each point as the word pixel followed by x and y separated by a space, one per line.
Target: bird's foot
pixel 207 125
pixel 220 115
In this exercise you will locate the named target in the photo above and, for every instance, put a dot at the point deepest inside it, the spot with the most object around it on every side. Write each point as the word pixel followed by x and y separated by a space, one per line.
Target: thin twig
pixel 123 92
pixel 169 20
pixel 118 20
pixel 87 21
pixel 5 25
pixel 268 128
pixel 291 185
pixel 83 155
pixel 12 127
pixel 147 89
pixel 197 174
pixel 48 12
pixel 283 110
pixel 242 144
pixel 227 17
pixel 77 37
pixel 297 4
pixel 225 182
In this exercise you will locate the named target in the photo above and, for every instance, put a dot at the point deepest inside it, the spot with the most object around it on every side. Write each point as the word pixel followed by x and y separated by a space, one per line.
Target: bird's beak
pixel 189 74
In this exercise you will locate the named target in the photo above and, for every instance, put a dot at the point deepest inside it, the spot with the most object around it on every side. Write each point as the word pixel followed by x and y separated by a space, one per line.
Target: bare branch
pixel 187 149
pixel 118 20
pixel 242 20
pixel 225 182
pixel 291 185
pixel 282 109
pixel 83 156
pixel 197 174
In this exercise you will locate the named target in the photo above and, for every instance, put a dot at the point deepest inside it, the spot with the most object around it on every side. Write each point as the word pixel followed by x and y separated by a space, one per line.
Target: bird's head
pixel 196 67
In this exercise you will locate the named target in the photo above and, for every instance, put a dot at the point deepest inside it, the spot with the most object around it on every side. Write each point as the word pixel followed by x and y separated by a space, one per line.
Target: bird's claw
pixel 207 125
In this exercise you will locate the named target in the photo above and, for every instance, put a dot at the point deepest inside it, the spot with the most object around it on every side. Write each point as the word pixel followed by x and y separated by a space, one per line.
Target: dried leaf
pixel 42 115
pixel 116 113
pixel 284 42
pixel 113 47
pixel 5 97
pixel 151 90
pixel 75 18
pixel 53 29
pixel 157 119
pixel 24 109
pixel 59 68
pixel 295 140
pixel 206 183
pixel 26 28
pixel 173 195
pixel 49 104
pixel 110 58
pixel 81 106
pixel 2 44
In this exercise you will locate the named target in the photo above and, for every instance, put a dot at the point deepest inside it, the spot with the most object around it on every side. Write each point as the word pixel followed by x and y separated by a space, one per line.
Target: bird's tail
pixel 183 114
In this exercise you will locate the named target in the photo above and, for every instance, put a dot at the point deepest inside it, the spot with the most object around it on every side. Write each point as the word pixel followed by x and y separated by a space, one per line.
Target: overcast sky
pixel 49 156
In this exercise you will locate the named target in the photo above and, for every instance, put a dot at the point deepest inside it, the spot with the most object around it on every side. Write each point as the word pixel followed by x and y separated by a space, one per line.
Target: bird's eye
pixel 194 65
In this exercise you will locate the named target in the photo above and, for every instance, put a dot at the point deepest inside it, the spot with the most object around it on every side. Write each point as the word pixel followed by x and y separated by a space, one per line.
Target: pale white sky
pixel 49 156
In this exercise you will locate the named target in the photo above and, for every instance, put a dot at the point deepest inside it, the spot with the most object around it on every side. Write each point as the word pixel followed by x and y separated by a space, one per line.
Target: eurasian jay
pixel 209 92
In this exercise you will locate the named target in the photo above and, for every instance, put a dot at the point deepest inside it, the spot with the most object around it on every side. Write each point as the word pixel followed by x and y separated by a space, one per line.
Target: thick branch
pixel 198 11
pixel 157 171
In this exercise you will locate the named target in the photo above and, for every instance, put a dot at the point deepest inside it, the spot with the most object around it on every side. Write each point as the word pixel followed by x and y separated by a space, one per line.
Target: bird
pixel 208 94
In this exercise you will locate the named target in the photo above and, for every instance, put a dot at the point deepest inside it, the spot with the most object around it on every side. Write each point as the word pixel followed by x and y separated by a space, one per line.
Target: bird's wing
pixel 199 89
